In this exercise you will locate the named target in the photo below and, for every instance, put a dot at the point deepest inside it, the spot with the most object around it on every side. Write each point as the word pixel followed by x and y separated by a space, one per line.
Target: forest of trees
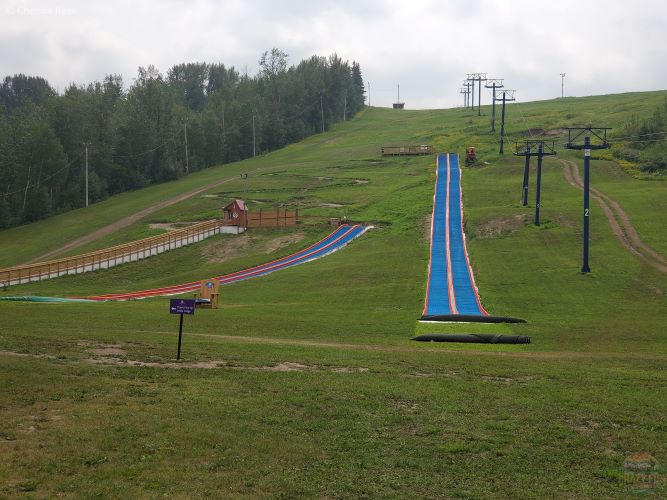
pixel 644 142
pixel 136 136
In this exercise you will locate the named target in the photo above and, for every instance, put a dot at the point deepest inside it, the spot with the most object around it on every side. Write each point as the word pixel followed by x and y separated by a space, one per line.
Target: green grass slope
pixel 305 382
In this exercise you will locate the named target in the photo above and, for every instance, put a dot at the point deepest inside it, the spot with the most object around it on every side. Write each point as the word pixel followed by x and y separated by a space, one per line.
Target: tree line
pixel 137 136
pixel 644 141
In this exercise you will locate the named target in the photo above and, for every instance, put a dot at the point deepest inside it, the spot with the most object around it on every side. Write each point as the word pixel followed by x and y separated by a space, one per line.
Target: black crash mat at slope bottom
pixel 469 318
pixel 476 338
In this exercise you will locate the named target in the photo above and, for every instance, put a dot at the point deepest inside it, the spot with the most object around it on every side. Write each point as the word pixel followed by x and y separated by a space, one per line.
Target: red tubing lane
pixel 299 257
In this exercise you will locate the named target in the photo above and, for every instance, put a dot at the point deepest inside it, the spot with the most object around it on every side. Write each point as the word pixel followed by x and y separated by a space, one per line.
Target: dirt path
pixel 618 219
pixel 129 220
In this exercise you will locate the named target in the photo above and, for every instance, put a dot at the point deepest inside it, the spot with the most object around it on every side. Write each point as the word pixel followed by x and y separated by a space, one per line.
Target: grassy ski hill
pixel 305 382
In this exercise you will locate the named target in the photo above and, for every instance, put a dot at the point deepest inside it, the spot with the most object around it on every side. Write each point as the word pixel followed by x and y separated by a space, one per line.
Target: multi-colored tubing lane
pixel 336 240
pixel 451 292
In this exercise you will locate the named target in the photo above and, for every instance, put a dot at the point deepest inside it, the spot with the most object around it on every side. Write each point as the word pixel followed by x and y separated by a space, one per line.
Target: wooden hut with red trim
pixel 235 214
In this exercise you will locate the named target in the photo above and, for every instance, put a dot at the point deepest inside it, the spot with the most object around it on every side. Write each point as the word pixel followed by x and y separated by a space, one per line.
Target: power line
pixel 148 151
pixel 47 178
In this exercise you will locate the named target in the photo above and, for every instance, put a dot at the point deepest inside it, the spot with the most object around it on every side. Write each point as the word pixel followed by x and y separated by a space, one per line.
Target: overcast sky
pixel 428 47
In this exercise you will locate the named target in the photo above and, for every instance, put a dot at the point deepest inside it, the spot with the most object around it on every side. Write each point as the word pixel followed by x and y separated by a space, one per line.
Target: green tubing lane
pixel 28 298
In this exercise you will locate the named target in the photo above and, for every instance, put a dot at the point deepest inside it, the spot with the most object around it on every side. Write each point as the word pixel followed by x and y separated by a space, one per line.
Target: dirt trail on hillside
pixel 618 219
pixel 127 221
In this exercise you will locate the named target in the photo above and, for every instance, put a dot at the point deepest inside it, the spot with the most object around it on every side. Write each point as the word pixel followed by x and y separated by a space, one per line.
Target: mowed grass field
pixel 306 382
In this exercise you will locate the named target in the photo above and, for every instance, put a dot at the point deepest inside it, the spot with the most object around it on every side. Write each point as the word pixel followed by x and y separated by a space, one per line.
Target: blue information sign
pixel 182 306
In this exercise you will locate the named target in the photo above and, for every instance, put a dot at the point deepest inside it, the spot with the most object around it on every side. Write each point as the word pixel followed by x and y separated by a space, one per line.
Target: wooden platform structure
pixel 236 213
pixel 208 295
pixel 422 149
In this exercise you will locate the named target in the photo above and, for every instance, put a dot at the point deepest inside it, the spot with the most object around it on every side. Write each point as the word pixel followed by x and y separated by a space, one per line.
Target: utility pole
pixel 345 107
pixel 573 134
pixel 508 96
pixel 187 153
pixel 244 176
pixel 471 81
pixel 480 77
pixel 466 92
pixel 494 83
pixel 526 177
pixel 479 92
pixel 527 148
pixel 322 111
pixel 465 97
pixel 86 144
pixel 254 149
pixel 562 84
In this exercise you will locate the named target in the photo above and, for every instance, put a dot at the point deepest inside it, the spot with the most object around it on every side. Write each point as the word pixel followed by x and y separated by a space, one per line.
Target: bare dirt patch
pixel 283 241
pixel 107 350
pixel 331 205
pixel 225 248
pixel 497 227
pixel 498 380
pixel 583 427
pixel 557 132
pixel 25 355
pixel 407 406
pixel 285 367
pixel 361 181
pixel 347 369
pixel 424 225
pixel 174 365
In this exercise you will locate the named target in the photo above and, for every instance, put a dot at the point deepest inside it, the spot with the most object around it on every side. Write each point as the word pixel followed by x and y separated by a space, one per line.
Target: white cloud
pixel 425 45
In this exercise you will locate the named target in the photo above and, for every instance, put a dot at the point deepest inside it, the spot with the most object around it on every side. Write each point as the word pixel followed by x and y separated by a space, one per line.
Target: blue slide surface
pixel 333 242
pixel 451 290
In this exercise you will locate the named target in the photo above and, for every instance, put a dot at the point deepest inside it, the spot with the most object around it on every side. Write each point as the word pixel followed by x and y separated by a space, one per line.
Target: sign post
pixel 181 306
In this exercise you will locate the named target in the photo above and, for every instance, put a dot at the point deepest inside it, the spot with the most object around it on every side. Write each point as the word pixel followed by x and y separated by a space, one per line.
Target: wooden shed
pixel 235 214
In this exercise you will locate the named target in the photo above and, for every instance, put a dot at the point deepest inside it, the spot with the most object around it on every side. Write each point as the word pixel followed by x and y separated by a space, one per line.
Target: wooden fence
pixel 109 257
pixel 272 218
pixel 423 149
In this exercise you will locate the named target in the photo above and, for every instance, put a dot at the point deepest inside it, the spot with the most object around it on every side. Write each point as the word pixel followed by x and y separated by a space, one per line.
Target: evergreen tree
pixel 136 136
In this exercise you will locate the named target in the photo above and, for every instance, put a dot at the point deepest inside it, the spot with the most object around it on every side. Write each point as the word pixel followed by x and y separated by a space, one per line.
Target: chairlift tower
pixel 493 83
pixel 508 96
pixel 540 149
pixel 479 77
pixel 467 85
pixel 471 83
pixel 599 136
pixel 465 96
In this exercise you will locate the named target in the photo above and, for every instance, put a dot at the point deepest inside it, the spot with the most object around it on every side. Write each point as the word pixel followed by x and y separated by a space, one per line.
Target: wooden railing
pixel 109 257
pixel 422 149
